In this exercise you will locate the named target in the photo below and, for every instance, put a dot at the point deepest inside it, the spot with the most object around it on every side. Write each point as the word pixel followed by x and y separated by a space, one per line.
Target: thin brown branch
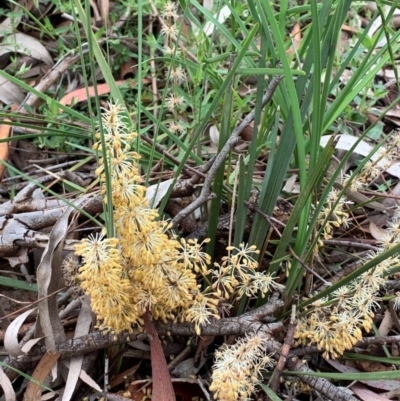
pixel 353 243
pixel 117 397
pixel 379 195
pixel 275 381
pixel 188 169
pixel 270 219
pixel 307 268
pixel 206 194
pixel 342 273
pixel 327 390
pixel 377 341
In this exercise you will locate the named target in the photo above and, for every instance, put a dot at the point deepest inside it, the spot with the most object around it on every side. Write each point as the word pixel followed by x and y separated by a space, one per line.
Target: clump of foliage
pixel 200 74
pixel 146 268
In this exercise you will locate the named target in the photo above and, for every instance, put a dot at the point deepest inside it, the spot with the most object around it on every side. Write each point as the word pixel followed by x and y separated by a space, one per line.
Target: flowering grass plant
pixel 145 267
pixel 271 79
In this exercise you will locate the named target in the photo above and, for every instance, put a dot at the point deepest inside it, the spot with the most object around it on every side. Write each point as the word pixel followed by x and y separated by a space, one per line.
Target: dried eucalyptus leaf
pixel 7 386
pixel 11 343
pixel 75 367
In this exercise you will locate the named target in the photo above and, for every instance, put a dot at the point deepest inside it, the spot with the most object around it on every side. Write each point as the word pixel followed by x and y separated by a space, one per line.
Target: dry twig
pixel 206 194
pixel 284 352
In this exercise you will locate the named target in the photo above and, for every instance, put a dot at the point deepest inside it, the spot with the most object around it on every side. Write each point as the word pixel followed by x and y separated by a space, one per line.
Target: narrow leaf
pixel 270 393
pixel 75 367
pixel 162 384
pixel 33 389
pixel 48 277
pixel 11 337
pixel 7 387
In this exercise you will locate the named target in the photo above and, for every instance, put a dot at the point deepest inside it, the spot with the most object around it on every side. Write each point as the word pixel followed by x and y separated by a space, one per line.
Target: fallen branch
pixel 239 326
pixel 323 386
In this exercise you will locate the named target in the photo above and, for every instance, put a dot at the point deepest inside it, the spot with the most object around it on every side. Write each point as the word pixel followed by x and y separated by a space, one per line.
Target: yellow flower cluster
pixel 335 324
pixel 373 168
pixel 335 211
pixel 144 268
pixel 237 369
pixel 101 276
pixel 237 274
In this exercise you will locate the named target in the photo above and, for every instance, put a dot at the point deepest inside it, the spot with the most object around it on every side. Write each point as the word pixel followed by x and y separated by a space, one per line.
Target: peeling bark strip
pixel 21 219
